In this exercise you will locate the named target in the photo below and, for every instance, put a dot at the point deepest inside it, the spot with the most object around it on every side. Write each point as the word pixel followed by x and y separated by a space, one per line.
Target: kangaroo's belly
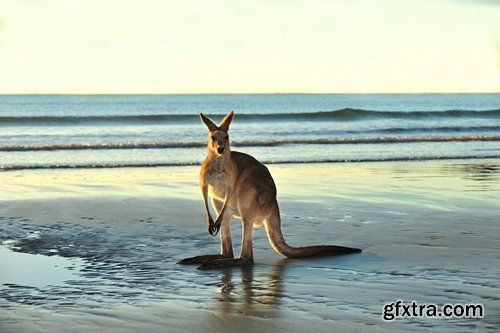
pixel 217 192
pixel 218 195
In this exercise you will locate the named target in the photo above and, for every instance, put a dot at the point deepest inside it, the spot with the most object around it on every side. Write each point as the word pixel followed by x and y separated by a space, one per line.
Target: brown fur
pixel 242 187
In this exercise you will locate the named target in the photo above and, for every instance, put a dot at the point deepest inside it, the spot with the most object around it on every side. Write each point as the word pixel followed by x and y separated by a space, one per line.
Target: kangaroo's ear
pixel 224 124
pixel 209 123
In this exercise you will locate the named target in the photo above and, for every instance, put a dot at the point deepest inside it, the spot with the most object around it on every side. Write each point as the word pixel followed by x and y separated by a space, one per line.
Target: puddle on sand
pixel 36 270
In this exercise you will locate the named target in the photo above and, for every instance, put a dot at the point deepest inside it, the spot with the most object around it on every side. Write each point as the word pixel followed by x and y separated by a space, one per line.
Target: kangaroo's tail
pixel 275 236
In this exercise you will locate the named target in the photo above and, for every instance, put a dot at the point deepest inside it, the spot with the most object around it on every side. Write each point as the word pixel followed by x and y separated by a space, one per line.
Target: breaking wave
pixel 249 143
pixel 167 164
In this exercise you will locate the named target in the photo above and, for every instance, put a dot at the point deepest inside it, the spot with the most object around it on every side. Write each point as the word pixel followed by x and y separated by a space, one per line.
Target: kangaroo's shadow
pixel 251 290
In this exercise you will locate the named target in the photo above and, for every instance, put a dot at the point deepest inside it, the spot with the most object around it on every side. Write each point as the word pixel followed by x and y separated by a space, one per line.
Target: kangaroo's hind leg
pixel 246 255
pixel 225 237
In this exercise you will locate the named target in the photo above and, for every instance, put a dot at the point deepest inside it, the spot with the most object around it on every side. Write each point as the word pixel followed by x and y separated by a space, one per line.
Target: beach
pixel 97 249
pixel 380 126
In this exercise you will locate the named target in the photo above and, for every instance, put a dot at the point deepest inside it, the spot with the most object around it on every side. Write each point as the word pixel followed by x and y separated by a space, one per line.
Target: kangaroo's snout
pixel 220 145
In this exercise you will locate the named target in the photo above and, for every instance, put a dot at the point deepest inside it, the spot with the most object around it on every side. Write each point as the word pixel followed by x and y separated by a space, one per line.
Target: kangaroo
pixel 242 187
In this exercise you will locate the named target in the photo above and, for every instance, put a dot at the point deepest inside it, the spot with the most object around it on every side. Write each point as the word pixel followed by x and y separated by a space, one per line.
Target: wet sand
pixel 86 250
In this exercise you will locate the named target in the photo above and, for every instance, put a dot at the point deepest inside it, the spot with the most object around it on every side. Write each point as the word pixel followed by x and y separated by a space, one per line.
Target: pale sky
pixel 252 46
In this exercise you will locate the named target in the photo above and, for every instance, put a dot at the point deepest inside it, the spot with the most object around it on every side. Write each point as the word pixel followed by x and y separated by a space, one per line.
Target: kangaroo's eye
pixel 226 137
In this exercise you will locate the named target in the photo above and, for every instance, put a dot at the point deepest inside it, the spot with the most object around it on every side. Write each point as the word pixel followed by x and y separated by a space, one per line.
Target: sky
pixel 252 46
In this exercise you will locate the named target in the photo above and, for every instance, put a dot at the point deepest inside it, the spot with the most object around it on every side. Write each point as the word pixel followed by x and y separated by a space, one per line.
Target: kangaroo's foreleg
pixel 212 230
pixel 218 221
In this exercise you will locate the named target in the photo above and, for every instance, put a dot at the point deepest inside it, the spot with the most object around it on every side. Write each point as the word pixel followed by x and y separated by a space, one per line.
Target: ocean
pixel 104 131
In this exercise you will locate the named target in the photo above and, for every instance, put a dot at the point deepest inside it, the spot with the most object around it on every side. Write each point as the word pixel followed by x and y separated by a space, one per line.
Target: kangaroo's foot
pixel 225 262
pixel 201 259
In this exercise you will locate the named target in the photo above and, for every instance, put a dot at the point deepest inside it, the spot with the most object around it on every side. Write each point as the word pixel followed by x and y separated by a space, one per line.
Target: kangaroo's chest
pixel 218 176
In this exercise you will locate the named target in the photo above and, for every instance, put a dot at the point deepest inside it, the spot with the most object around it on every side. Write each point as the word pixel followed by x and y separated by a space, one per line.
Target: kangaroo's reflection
pixel 251 290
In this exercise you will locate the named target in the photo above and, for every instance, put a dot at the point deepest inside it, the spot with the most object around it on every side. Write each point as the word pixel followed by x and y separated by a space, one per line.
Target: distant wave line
pixel 346 114
pixel 435 129
pixel 162 164
pixel 249 143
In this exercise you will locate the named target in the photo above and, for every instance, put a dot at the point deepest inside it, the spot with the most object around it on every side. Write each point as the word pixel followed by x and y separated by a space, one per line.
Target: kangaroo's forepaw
pixel 214 227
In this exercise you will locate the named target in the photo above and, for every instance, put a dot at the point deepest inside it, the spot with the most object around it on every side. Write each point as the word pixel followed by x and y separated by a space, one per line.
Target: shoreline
pixel 417 159
pixel 428 231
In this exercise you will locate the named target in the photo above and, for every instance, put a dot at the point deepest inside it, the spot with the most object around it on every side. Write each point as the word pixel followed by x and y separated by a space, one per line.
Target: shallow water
pixel 110 267
pixel 38 271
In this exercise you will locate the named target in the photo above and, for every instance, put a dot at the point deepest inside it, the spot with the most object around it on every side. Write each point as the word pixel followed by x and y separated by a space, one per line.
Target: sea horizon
pixel 77 131
pixel 247 93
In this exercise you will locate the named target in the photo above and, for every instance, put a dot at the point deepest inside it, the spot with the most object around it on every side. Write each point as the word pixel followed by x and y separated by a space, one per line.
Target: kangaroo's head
pixel 218 136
